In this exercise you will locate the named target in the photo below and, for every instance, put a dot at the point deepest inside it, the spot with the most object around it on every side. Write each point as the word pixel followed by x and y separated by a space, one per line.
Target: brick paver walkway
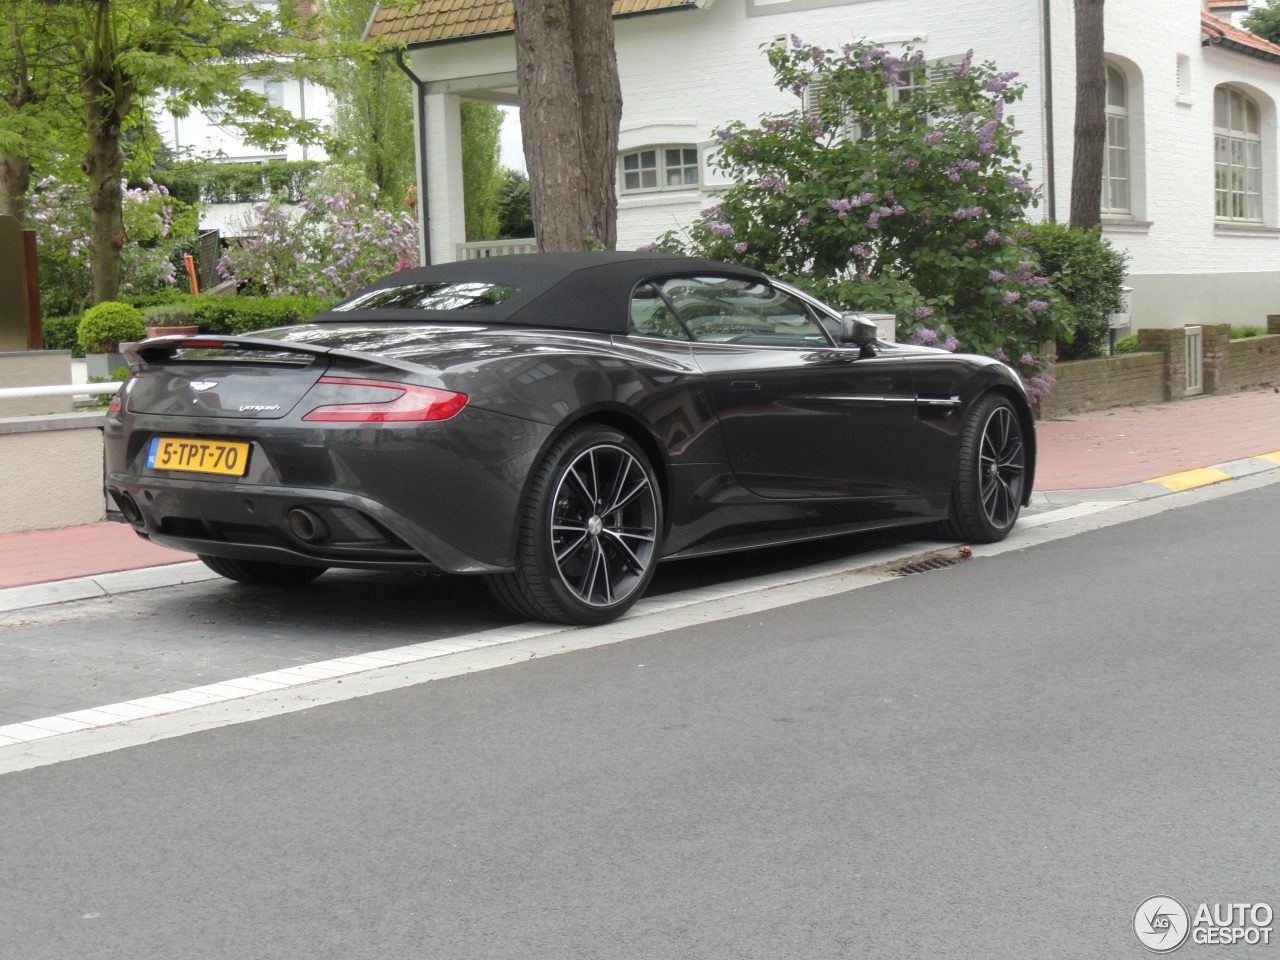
pixel 1110 448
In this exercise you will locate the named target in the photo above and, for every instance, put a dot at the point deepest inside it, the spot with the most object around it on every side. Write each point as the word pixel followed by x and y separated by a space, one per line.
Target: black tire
pixel 258 574
pixel 991 471
pixel 590 531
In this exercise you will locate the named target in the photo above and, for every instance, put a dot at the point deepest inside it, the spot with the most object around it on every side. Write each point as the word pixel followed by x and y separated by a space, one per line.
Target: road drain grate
pixel 933 561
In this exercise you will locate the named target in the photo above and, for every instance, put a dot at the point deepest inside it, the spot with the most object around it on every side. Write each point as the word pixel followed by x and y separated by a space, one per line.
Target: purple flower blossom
pixel 1001 355
pixel 1018 183
pixel 740 247
pixel 723 134
pixel 796 44
pixel 911 164
pixel 818 54
pixel 804 221
pixel 962 68
pixel 647 247
pixel 933 138
pixel 720 228
pixel 993 237
pixel 859 250
pixel 968 213
pixel 1035 306
pixel 1001 80
pixel 1010 296
pixel 922 312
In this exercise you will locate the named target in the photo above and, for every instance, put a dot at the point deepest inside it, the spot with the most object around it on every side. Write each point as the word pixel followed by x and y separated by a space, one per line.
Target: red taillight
pixel 405 402
pixel 117 400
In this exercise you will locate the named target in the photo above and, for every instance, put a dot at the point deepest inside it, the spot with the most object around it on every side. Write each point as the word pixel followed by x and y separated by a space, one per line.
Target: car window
pixel 438 295
pixel 733 310
pixel 651 317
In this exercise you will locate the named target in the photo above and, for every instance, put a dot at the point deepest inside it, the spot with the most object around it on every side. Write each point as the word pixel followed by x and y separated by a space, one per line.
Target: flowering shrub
pixel 157 227
pixel 332 243
pixel 886 193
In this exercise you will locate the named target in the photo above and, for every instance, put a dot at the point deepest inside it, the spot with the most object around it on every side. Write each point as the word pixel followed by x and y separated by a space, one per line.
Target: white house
pixel 1191 187
pixel 200 135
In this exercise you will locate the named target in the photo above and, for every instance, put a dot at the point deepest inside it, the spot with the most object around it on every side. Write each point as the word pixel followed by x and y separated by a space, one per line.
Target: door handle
pixel 744 385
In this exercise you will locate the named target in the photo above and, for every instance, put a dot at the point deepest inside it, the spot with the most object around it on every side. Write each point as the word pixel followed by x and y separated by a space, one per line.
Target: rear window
pixel 440 295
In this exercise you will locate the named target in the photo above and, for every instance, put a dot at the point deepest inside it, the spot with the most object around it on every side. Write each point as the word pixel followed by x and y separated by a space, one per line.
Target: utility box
pixel 14 317
pixel 886 326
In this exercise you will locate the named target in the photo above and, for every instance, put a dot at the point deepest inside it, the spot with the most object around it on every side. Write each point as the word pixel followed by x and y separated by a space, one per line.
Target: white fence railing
pixel 1195 361
pixel 60 390
pixel 495 248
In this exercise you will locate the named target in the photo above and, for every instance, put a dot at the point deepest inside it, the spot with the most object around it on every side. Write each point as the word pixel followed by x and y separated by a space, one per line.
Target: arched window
pixel 1237 156
pixel 1115 165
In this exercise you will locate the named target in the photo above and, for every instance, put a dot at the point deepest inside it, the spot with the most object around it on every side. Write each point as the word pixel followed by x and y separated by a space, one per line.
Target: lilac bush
pixel 334 241
pixel 156 226
pixel 894 186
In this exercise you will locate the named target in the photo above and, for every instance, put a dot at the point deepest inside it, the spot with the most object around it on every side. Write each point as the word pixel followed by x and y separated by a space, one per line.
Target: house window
pixel 1115 163
pixel 1237 156
pixel 660 168
pixel 910 82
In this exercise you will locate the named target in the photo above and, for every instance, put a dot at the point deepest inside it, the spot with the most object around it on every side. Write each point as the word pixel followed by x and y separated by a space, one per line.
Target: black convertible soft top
pixel 573 291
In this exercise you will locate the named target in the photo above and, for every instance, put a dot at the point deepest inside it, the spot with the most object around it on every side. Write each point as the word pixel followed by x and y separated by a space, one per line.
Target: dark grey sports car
pixel 558 423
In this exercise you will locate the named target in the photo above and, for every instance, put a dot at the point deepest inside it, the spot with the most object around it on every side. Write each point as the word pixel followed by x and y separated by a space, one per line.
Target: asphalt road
pixel 1000 759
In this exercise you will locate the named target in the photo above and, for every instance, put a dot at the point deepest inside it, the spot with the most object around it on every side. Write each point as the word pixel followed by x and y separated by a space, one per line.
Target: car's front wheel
pixel 990 474
pixel 590 531
pixel 259 574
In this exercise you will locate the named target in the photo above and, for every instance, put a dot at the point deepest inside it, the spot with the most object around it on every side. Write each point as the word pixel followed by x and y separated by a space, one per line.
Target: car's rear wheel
pixel 991 471
pixel 259 574
pixel 590 531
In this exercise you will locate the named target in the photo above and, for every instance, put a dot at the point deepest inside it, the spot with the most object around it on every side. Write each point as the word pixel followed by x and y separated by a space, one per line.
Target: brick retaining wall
pixel 1160 374
pixel 1255 362
pixel 1108 382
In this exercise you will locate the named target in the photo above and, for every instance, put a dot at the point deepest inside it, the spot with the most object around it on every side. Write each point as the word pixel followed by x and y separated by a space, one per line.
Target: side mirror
pixel 858 330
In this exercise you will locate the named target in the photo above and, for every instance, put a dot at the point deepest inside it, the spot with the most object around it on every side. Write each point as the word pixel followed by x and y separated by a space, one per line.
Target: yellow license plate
pixel 230 458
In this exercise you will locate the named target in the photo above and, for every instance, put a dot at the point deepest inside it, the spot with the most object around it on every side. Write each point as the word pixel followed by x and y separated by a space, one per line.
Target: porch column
pixel 447 215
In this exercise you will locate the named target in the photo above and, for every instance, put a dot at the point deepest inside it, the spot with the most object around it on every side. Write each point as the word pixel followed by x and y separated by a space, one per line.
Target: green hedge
pixel 238 182
pixel 60 334
pixel 1089 273
pixel 225 315
pixel 246 314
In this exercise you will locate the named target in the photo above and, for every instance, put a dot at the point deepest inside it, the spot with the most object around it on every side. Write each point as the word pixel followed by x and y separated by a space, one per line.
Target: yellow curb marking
pixel 1273 456
pixel 1187 479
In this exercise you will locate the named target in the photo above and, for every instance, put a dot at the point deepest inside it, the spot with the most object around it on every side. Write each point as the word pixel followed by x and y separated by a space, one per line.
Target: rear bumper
pixel 437 497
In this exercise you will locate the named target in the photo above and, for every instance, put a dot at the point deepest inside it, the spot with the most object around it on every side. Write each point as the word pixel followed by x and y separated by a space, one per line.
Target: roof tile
pixel 428 21
pixel 1218 31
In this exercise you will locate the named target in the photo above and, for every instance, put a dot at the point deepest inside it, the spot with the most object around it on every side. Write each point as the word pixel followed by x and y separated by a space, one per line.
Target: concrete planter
pixel 101 364
pixel 186 331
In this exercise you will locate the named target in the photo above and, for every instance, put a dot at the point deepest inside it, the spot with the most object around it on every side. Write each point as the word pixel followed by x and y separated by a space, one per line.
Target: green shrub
pixel 241 182
pixel 1127 344
pixel 1089 273
pixel 103 328
pixel 1239 333
pixel 232 315
pixel 170 314
pixel 60 334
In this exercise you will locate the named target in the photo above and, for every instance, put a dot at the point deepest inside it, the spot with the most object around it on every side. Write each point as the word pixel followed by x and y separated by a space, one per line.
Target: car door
pixel 801 416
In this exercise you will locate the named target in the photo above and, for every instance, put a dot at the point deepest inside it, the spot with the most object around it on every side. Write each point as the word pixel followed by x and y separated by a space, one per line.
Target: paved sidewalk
pixel 1090 451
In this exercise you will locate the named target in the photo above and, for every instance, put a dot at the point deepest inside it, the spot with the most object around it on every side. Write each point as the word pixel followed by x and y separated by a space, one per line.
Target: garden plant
pixel 893 186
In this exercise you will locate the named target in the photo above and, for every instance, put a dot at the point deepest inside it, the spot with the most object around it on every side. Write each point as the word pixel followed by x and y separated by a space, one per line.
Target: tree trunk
pixel 15 180
pixel 570 107
pixel 103 163
pixel 108 97
pixel 1091 118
